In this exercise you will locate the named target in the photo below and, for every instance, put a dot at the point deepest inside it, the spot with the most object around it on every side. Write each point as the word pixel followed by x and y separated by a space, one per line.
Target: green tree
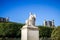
pixel 10 29
pixel 2 33
pixel 45 31
pixel 56 33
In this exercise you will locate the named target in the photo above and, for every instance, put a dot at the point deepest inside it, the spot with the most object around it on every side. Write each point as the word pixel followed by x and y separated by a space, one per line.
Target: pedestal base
pixel 30 34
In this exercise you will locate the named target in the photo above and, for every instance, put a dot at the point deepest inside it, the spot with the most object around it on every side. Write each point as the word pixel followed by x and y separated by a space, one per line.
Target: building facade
pixel 49 23
pixel 4 19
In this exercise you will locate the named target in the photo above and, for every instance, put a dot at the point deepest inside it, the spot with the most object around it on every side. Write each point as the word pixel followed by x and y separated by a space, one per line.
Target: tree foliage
pixel 56 33
pixel 10 29
pixel 45 31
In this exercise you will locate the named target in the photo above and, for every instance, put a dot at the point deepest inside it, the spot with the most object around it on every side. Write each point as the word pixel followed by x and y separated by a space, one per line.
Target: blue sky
pixel 18 10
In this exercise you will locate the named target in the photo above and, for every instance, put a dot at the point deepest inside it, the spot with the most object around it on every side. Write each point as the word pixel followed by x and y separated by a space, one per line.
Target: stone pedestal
pixel 29 33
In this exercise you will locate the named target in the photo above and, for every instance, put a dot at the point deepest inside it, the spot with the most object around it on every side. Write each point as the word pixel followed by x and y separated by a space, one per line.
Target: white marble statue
pixel 31 20
pixel 29 31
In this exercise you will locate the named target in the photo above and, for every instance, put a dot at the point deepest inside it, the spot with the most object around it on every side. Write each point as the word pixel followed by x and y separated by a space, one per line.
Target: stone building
pixel 49 23
pixel 4 19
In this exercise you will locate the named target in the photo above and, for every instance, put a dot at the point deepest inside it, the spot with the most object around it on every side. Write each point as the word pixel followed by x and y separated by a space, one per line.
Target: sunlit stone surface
pixel 29 31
